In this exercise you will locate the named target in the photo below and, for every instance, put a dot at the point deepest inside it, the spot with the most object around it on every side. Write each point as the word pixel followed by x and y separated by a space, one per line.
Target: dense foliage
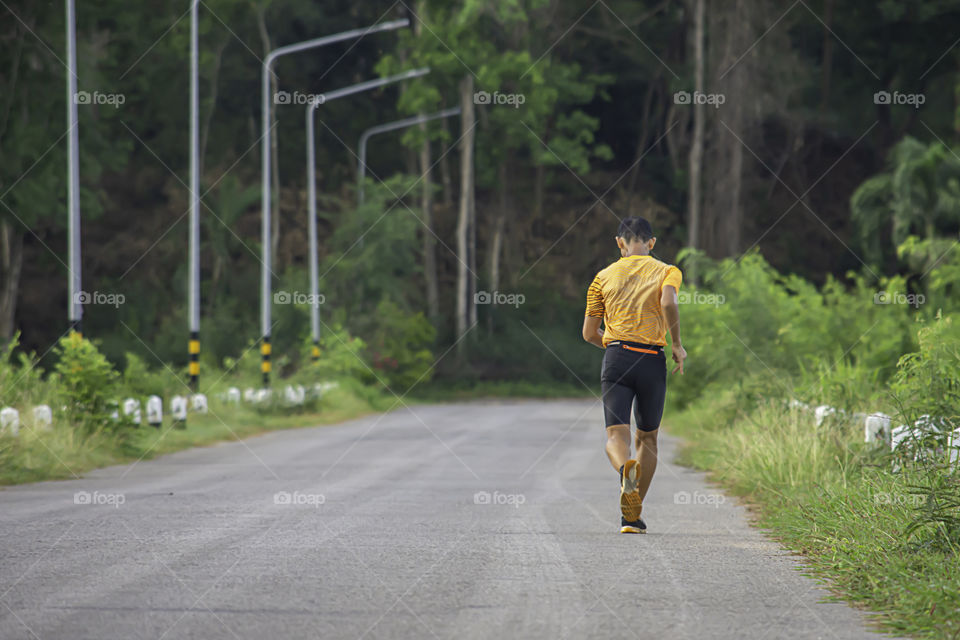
pixel 598 135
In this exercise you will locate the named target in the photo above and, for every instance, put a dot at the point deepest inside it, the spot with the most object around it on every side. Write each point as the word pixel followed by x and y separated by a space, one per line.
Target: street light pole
pixel 391 126
pixel 193 344
pixel 74 303
pixel 323 98
pixel 266 262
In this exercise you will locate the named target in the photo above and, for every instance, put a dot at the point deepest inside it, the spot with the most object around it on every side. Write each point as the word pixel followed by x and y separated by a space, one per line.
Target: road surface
pixel 478 520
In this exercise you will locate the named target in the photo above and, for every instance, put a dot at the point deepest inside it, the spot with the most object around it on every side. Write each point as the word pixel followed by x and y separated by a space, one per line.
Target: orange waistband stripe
pixel 626 346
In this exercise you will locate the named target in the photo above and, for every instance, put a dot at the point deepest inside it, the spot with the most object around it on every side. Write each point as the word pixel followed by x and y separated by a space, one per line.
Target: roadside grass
pixel 66 452
pixel 825 494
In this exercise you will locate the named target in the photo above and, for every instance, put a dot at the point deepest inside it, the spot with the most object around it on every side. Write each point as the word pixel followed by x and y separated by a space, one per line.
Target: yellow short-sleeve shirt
pixel 627 296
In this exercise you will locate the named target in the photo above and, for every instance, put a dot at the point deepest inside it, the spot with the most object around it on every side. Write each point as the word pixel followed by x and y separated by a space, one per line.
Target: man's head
pixel 635 237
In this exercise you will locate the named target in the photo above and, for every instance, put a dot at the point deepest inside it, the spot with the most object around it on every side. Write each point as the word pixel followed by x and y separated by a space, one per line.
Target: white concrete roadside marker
pixel 178 407
pixel 233 395
pixel 301 393
pixel 930 424
pixel 876 428
pixel 820 413
pixel 198 403
pixel 263 396
pixel 131 409
pixel 898 435
pixel 43 417
pixel 250 395
pixel 317 390
pixel 292 396
pixel 154 411
pixel 954 446
pixel 10 421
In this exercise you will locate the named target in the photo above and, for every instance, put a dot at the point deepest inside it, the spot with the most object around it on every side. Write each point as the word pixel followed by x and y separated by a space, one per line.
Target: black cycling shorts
pixel 632 375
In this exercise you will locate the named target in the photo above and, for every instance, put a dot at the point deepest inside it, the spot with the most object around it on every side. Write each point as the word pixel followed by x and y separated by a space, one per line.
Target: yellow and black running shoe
pixel 637 526
pixel 630 504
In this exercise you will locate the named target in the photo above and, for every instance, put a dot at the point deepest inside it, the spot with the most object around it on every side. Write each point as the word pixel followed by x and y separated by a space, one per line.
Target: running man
pixel 636 299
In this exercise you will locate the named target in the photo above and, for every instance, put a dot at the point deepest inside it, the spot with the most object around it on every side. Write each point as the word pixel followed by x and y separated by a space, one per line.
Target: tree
pixel 696 149
pixel 918 195
pixel 32 135
pixel 466 218
pixel 426 205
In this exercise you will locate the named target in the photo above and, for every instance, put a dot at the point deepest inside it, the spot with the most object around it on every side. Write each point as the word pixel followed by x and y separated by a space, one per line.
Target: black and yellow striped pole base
pixel 194 350
pixel 265 360
pixel 315 352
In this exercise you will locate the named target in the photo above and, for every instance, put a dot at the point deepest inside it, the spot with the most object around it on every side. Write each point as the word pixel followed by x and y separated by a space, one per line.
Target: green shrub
pixel 87 382
pixel 21 379
pixel 140 380
pixel 341 356
pixel 400 348
pixel 928 384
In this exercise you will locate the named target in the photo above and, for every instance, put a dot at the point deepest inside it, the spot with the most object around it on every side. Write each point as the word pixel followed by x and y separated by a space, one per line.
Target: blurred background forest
pixel 827 158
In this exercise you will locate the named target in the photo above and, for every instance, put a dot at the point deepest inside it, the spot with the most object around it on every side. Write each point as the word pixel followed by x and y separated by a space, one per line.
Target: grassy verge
pixel 65 451
pixel 824 493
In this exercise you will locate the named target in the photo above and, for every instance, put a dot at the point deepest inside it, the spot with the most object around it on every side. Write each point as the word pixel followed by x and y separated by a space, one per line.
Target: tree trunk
pixel 496 243
pixel 539 185
pixel 11 262
pixel 740 86
pixel 445 166
pixel 472 250
pixel 641 143
pixel 214 91
pixel 464 301
pixel 696 148
pixel 274 160
pixel 674 136
pixel 426 202
pixel 429 240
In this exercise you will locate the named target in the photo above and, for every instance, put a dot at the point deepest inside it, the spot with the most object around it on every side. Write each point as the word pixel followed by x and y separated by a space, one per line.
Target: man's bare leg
pixel 646 442
pixel 618 450
pixel 618 445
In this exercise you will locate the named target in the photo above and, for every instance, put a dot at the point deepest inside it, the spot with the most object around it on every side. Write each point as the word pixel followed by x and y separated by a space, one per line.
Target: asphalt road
pixel 480 520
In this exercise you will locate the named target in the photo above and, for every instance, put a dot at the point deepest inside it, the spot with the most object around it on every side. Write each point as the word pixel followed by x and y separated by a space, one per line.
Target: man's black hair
pixel 635 227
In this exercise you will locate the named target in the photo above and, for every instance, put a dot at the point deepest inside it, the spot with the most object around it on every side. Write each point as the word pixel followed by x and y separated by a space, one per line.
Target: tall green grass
pixel 882 526
pixel 824 493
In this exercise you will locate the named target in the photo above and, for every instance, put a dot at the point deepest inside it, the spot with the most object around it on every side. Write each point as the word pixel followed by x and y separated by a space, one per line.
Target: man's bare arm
pixel 671 311
pixel 592 332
